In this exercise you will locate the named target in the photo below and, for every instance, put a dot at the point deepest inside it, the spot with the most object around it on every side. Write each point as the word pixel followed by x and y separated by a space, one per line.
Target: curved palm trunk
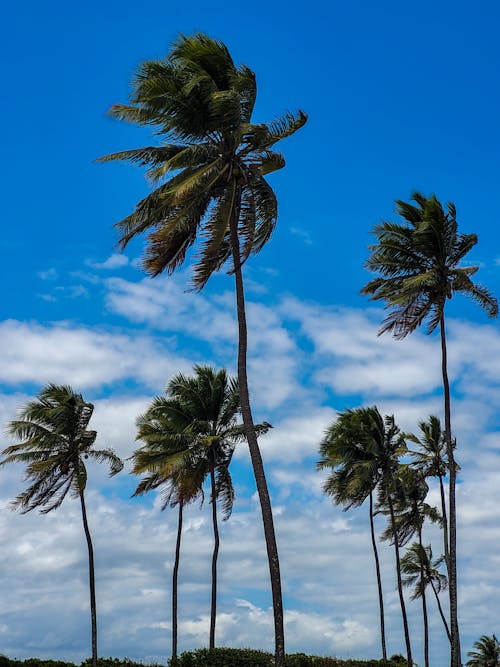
pixel 455 658
pixel 443 618
pixel 255 455
pixel 174 584
pixel 93 609
pixel 379 583
pixel 213 606
pixel 424 601
pixel 400 584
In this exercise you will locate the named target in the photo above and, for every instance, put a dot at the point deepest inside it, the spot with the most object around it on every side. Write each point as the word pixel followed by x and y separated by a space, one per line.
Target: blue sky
pixel 400 96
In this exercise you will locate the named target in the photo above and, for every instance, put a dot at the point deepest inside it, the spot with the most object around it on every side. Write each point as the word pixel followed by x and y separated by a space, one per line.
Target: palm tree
pixel 418 262
pixel 195 427
pixel 54 441
pixel 410 512
pixel 430 459
pixel 418 558
pixel 353 457
pixel 210 175
pixel 207 406
pixel 487 654
pixel 363 449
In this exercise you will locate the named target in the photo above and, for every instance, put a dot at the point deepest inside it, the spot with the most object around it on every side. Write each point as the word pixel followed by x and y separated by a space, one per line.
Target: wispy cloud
pixel 115 261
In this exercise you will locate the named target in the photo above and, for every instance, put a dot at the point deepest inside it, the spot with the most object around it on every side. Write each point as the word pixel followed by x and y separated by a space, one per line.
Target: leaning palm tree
pixel 54 441
pixel 430 459
pixel 418 262
pixel 209 176
pixel 417 559
pixel 487 653
pixel 193 431
pixel 207 409
pixel 353 456
pixel 409 513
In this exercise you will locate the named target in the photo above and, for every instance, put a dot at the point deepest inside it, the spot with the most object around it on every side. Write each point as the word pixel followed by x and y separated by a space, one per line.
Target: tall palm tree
pixel 364 449
pixel 418 262
pixel 410 512
pixel 353 458
pixel 418 558
pixel 209 171
pixel 54 441
pixel 195 426
pixel 431 460
pixel 487 653
pixel 208 405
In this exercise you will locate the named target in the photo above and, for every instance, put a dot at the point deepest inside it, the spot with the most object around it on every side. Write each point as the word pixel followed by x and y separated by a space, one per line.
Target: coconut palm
pixel 410 512
pixel 417 559
pixel 418 262
pixel 487 653
pixel 430 459
pixel 363 449
pixel 195 426
pixel 208 405
pixel 209 174
pixel 54 443
pixel 348 451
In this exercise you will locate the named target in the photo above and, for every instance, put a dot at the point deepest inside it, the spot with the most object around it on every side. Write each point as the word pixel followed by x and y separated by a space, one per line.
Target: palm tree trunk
pixel 174 585
pixel 255 455
pixel 455 658
pixel 400 583
pixel 379 582
pixel 93 609
pixel 443 618
pixel 213 606
pixel 445 526
pixel 424 601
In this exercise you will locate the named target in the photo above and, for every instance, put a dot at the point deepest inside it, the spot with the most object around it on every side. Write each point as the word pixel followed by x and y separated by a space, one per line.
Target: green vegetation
pixel 218 657
pixel 487 653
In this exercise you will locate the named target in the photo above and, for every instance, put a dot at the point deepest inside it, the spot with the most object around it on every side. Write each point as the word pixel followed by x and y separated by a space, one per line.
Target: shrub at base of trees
pixel 217 657
pixel 234 657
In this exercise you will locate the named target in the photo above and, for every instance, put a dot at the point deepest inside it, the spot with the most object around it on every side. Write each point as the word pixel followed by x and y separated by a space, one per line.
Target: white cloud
pixel 115 261
pixel 327 566
pixel 82 357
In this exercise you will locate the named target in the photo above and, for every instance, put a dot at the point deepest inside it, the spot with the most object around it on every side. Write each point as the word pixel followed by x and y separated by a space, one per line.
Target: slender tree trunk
pixel 455 658
pixel 379 582
pixel 400 584
pixel 445 526
pixel 93 609
pixel 174 584
pixel 443 618
pixel 424 601
pixel 257 464
pixel 213 607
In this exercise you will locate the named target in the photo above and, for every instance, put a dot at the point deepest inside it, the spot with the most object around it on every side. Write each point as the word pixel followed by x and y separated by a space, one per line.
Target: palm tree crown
pixel 415 559
pixel 211 164
pixel 362 448
pixel 54 443
pixel 487 653
pixel 418 262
